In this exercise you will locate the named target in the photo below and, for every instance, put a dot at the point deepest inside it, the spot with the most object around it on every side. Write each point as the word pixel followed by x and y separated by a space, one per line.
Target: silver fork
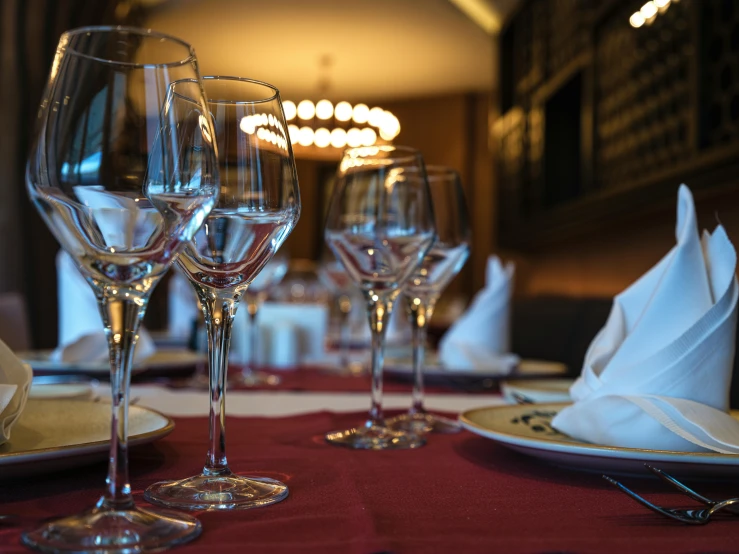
pixel 692 517
pixel 670 480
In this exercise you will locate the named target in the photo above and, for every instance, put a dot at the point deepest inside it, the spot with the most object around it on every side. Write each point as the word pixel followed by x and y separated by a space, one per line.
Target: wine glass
pixel 380 226
pixel 258 207
pixel 440 265
pixel 124 174
pixel 337 280
pixel 255 295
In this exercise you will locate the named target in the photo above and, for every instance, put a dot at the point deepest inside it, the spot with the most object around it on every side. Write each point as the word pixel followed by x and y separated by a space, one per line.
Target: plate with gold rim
pixel 526 428
pixel 40 360
pixel 52 435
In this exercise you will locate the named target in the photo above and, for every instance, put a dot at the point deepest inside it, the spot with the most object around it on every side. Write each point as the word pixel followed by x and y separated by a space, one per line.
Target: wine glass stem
pixel 252 306
pixel 421 311
pixel 379 308
pixel 219 309
pixel 345 307
pixel 122 310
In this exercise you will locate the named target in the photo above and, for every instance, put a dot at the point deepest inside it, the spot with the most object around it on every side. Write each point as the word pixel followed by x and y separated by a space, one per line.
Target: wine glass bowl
pixel 123 176
pixel 440 265
pixel 258 206
pixel 380 225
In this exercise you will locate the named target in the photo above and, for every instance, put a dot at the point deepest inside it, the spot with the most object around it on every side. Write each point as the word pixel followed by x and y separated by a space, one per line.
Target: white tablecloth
pixel 185 403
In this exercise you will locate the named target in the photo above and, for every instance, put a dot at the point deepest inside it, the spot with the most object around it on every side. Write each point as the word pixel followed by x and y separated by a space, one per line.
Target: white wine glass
pixel 258 207
pixel 421 292
pixel 123 175
pixel 380 225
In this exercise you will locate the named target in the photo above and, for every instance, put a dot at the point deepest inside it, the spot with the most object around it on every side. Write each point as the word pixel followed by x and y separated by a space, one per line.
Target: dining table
pixel 460 492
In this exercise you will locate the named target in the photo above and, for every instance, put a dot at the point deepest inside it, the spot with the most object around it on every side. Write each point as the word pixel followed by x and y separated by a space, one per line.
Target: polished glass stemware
pixel 258 207
pixel 380 225
pixel 124 175
pixel 422 291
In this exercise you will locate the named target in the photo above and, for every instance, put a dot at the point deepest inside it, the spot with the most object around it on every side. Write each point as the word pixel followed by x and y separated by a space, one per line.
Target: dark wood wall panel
pixel 600 119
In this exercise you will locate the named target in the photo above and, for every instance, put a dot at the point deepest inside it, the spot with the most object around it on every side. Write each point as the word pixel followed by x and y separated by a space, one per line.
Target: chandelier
pixel 326 126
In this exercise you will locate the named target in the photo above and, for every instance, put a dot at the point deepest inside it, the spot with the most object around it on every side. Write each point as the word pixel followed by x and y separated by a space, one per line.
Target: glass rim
pixel 439 172
pixel 274 89
pixel 144 32
pixel 407 153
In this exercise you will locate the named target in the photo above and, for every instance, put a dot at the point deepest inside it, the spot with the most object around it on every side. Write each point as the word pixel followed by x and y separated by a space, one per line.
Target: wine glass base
pixel 217 492
pixel 422 422
pixel 375 437
pixel 110 531
pixel 256 379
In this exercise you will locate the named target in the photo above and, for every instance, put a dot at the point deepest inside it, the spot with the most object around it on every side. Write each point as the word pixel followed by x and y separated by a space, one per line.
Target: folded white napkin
pixel 481 340
pixel 657 375
pixel 81 334
pixel 15 382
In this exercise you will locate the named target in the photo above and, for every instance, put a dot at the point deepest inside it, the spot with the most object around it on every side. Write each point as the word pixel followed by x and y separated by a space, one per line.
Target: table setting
pixel 115 441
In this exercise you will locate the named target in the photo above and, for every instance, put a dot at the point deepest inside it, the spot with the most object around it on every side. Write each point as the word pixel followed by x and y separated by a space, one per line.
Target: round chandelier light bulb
pixel 354 137
pixel 376 117
pixel 322 137
pixel 294 132
pixel 369 136
pixel 290 110
pixel 306 109
pixel 305 138
pixel 360 114
pixel 343 111
pixel 324 109
pixel 338 138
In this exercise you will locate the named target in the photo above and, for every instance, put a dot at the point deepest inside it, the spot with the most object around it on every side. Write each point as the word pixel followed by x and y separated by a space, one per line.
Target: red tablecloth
pixel 310 379
pixel 459 493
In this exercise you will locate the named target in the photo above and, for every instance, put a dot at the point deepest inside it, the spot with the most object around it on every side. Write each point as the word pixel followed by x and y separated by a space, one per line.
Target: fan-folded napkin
pixel 657 376
pixel 81 334
pixel 15 382
pixel 481 340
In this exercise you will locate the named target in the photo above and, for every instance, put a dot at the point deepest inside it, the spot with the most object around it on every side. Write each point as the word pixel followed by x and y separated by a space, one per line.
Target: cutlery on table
pixel 689 516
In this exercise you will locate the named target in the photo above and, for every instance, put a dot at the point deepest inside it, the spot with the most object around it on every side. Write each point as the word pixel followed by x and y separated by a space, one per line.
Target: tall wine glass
pixel 257 209
pixel 380 226
pixel 124 175
pixel 337 280
pixel 441 264
pixel 270 276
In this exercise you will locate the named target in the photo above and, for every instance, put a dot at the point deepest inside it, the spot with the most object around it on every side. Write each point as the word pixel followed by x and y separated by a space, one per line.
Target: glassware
pixel 380 226
pixel 257 209
pixel 445 259
pixel 124 174
pixel 338 282
pixel 255 296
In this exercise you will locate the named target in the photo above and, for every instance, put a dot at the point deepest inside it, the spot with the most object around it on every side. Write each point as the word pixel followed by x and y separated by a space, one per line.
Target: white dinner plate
pixel 69 391
pixel 526 428
pixel 161 359
pixel 433 371
pixel 58 434
pixel 536 390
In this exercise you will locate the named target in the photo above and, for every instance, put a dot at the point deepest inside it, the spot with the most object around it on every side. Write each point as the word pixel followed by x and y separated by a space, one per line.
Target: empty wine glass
pixel 257 209
pixel 380 226
pixel 255 295
pixel 123 174
pixel 421 292
pixel 337 281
